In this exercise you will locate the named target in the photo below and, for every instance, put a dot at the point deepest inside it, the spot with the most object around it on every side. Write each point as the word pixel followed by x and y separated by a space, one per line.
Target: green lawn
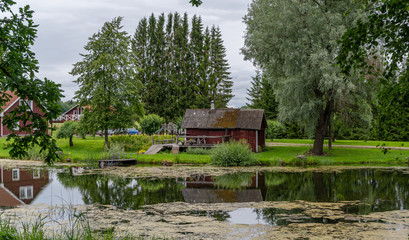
pixel 344 142
pixel 90 150
pixel 288 154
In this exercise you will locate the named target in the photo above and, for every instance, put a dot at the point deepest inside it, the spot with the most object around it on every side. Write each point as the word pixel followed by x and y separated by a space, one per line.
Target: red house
pixel 218 125
pixel 13 103
pixel 73 114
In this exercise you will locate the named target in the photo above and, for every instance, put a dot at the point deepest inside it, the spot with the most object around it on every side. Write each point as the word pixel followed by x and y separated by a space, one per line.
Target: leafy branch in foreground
pixel 18 67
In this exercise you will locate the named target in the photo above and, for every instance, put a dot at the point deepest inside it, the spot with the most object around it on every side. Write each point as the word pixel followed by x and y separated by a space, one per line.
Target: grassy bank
pixel 90 150
pixel 344 142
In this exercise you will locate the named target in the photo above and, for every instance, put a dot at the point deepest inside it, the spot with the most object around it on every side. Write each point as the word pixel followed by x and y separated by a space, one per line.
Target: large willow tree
pixel 295 44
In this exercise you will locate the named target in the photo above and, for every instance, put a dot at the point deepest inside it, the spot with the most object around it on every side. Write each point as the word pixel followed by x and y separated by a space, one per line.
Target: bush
pixel 233 154
pixel 34 153
pixel 275 130
pixel 151 123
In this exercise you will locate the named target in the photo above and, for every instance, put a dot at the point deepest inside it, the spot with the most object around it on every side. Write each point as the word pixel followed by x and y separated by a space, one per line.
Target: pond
pixel 351 192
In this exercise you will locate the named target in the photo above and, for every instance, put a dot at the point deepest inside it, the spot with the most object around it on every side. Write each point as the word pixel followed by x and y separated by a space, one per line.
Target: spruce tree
pixel 181 68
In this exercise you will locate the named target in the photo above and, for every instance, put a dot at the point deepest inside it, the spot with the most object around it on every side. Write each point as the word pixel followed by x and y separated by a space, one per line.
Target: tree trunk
pixel 330 134
pixel 321 129
pixel 106 138
pixel 71 143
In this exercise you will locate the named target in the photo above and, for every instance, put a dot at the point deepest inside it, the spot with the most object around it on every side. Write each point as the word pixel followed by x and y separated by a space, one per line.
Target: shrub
pixel 233 154
pixel 34 153
pixel 115 150
pixel 275 130
pixel 151 123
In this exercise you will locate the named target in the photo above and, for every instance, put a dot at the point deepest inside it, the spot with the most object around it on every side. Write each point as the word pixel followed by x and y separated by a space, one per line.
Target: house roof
pixel 13 99
pixel 7 199
pixel 225 118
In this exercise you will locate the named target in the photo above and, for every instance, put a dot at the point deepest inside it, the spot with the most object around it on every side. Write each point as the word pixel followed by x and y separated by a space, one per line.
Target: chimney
pixel 212 105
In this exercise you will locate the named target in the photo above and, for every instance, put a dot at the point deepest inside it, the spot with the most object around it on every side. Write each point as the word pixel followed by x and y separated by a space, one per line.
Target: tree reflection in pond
pixel 124 193
pixel 375 189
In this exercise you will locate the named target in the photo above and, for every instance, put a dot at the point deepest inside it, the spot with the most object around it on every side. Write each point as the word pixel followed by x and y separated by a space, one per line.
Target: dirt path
pixel 273 144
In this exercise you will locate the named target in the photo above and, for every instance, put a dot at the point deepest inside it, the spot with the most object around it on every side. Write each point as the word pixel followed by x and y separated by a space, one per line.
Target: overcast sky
pixel 64 28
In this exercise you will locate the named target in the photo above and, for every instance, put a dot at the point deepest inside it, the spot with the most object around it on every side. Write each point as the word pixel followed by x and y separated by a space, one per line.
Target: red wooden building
pixel 73 114
pixel 218 125
pixel 13 103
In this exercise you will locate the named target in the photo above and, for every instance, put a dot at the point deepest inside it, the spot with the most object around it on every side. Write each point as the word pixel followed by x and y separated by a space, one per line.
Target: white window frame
pixel 75 112
pixel 26 192
pixel 36 174
pixel 17 177
pixel 26 102
pixel 17 127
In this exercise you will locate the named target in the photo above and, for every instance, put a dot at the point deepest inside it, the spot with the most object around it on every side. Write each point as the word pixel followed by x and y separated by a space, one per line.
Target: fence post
pixel 153 140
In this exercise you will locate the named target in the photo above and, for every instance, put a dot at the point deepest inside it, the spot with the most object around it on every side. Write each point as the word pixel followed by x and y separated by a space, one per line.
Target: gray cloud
pixel 65 26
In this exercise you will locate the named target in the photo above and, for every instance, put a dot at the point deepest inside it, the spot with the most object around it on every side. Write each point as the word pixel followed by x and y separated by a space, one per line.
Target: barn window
pixel 75 112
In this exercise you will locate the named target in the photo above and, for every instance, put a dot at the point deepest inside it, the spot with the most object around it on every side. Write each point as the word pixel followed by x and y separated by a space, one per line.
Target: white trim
pixel 1 126
pixel 18 174
pixel 256 141
pixel 12 194
pixel 36 173
pixel 70 109
pixel 5 110
pixel 25 191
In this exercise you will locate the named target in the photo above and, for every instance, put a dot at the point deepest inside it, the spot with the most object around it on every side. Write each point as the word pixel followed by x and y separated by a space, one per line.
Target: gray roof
pixel 225 118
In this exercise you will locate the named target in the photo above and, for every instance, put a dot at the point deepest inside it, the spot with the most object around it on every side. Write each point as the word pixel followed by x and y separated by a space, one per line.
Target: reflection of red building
pixel 19 186
pixel 205 189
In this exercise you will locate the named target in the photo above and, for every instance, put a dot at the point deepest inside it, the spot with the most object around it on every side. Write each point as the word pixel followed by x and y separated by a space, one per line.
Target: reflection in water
pixel 20 186
pixel 374 189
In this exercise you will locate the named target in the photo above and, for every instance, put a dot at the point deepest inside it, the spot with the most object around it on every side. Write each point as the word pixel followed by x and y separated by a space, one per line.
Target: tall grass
pixel 79 230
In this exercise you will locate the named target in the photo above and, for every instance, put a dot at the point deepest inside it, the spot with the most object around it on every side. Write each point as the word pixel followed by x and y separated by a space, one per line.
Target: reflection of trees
pixel 234 181
pixel 380 190
pixel 124 193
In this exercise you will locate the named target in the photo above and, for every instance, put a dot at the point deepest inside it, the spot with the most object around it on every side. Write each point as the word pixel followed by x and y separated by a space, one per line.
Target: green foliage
pixel 34 153
pixel 283 131
pixel 67 130
pixel 261 96
pixel 302 68
pixel 67 105
pixel 107 80
pixel 392 112
pixel 233 154
pixel 132 142
pixel 151 123
pixel 198 151
pixel 114 151
pixel 275 130
pixel 18 69
pixel 183 68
